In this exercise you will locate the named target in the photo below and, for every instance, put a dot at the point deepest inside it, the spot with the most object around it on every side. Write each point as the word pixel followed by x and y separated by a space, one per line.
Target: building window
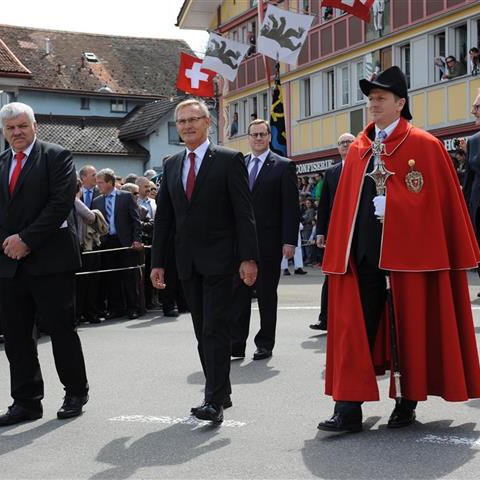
pixel 306 98
pixel 330 90
pixel 345 85
pixel 265 107
pixel 173 137
pixel 118 105
pixel 406 62
pixel 84 103
pixel 460 47
pixel 359 74
pixel 439 55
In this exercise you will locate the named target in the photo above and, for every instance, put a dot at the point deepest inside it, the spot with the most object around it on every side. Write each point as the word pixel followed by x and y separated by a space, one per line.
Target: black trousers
pixel 266 287
pixel 209 300
pixel 51 297
pixel 122 286
pixel 323 316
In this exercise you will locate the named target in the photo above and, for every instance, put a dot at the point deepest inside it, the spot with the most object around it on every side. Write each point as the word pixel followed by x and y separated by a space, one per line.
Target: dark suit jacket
pixel 275 204
pixel 127 219
pixel 217 224
pixel 471 183
pixel 41 202
pixel 325 204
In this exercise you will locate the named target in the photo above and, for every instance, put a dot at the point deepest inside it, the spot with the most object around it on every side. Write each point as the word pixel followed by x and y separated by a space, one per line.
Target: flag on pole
pixel 193 78
pixel 224 56
pixel 278 143
pixel 282 34
pixel 358 8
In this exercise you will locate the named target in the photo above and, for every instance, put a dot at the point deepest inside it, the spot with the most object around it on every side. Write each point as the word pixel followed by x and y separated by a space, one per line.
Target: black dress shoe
pixel 319 326
pixel 113 314
pixel 401 417
pixel 17 414
pixel 227 403
pixel 341 423
pixel 210 411
pixel 171 313
pixel 300 271
pixel 93 319
pixel 72 406
pixel 133 315
pixel 286 272
pixel 261 353
pixel 238 354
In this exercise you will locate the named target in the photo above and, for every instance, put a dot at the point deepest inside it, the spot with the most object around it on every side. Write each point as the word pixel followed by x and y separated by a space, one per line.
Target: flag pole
pixel 265 61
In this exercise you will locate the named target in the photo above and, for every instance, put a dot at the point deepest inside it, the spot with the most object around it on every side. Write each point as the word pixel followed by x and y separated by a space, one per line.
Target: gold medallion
pixel 414 179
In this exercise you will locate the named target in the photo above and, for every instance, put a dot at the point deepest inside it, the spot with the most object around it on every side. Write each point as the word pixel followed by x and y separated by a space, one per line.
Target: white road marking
pixel 173 420
pixel 296 307
pixel 451 440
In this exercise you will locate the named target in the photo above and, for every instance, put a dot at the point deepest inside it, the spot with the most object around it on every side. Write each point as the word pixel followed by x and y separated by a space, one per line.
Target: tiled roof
pixel 94 135
pixel 127 65
pixel 141 121
pixel 9 64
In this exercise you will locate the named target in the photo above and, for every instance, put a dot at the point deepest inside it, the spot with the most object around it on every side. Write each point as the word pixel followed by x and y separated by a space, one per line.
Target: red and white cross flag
pixel 193 78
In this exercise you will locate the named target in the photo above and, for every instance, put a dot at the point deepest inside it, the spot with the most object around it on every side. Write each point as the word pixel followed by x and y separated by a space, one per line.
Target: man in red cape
pixel 426 242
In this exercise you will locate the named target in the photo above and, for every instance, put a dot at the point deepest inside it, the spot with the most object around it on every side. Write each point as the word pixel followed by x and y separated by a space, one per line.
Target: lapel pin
pixel 414 178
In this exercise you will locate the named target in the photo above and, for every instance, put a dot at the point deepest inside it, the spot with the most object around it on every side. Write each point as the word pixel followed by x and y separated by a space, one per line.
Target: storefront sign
pixel 314 167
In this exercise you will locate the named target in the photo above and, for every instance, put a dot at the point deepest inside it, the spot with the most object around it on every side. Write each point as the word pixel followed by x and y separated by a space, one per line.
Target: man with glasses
pixel 454 68
pixel 204 197
pixel 325 205
pixel 273 182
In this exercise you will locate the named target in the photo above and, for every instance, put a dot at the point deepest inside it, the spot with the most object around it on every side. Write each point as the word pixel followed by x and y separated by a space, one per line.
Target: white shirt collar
pixel 262 157
pixel 28 149
pixel 388 130
pixel 200 150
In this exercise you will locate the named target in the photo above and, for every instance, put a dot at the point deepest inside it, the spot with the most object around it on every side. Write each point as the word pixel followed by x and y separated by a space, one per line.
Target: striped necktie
pixel 109 210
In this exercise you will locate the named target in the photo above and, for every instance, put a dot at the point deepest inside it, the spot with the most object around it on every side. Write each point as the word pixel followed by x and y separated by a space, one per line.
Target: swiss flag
pixel 194 79
pixel 359 8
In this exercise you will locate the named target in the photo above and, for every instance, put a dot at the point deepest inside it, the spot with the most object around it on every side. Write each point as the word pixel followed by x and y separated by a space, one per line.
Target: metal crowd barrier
pixel 140 267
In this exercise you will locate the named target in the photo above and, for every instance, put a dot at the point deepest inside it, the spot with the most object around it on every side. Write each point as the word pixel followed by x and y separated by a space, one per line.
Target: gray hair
pixel 83 172
pixel 108 175
pixel 150 174
pixel 141 181
pixel 14 109
pixel 130 187
pixel 193 102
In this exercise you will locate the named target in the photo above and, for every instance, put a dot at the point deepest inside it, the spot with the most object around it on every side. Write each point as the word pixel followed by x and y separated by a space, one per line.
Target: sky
pixel 142 18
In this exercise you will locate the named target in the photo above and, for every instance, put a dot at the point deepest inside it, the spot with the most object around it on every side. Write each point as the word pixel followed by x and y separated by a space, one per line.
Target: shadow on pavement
pixel 13 441
pixel 428 451
pixel 317 343
pixel 174 445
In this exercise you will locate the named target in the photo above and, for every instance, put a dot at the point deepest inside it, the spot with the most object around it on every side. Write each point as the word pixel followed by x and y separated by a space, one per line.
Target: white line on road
pixel 296 307
pixel 173 420
pixel 450 440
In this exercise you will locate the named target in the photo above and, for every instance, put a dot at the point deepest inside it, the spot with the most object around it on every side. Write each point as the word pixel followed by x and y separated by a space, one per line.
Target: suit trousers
pixel 52 297
pixel 266 287
pixel 122 286
pixel 209 300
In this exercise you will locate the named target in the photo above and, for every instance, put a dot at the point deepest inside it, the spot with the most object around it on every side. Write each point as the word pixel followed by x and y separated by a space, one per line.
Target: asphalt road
pixel 145 375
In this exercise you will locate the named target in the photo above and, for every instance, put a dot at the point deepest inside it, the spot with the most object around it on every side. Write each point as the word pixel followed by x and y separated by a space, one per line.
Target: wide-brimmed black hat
pixel 393 80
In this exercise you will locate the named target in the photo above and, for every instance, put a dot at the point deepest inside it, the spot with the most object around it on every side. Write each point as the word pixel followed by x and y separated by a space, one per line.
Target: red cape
pixel 427 241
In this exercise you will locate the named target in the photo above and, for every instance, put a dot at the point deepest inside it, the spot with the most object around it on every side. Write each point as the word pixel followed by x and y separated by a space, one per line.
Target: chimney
pixel 47 46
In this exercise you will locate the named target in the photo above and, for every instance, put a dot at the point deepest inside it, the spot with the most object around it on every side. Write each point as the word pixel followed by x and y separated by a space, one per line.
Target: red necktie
pixel 19 156
pixel 191 176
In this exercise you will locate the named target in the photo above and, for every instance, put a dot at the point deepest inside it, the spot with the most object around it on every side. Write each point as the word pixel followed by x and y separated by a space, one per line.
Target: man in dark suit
pixel 204 197
pixel 325 205
pixel 273 181
pixel 88 286
pixel 38 259
pixel 121 212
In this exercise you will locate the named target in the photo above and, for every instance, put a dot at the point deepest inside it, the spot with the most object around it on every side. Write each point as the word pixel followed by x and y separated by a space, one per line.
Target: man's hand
pixel 248 272
pixel 321 241
pixel 157 276
pixel 15 248
pixel 288 251
pixel 137 245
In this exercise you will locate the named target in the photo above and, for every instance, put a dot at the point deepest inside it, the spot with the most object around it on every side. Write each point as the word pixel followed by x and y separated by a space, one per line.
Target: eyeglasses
pixel 183 121
pixel 259 135
pixel 345 143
